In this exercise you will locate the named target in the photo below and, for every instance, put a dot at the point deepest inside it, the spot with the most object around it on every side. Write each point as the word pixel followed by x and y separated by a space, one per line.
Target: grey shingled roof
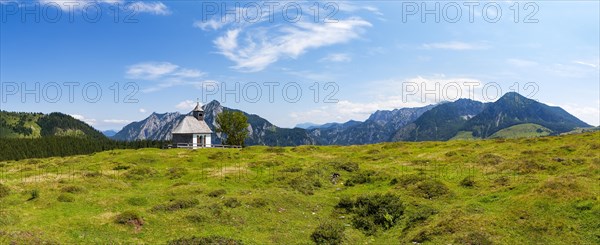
pixel 198 107
pixel 191 125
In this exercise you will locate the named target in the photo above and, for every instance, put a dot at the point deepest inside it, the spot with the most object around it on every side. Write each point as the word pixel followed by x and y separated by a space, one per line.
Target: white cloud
pixel 84 119
pixel 186 105
pixel 142 110
pixel 588 114
pixel 214 24
pixel 521 63
pixel 166 74
pixel 338 57
pixel 588 63
pixel 388 95
pixel 150 70
pixel 156 8
pixel 456 46
pixel 259 48
pixel 116 121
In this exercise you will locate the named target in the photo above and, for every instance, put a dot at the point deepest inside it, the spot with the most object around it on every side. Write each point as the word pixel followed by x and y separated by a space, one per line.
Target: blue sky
pixel 368 55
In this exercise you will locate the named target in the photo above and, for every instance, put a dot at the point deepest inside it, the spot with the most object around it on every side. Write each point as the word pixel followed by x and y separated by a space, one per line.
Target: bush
pixel 65 198
pixel 129 218
pixel 328 233
pixel 410 179
pixel 217 193
pixel 177 172
pixel 121 167
pixel 196 218
pixel 305 185
pixel 72 189
pixel 292 169
pixel 232 203
pixel 34 194
pixel 139 173
pixel 468 181
pixel 360 178
pixel 374 211
pixel 137 201
pixel 4 191
pixel 417 214
pixel 175 205
pixel 278 150
pixel 430 189
pixel 346 166
pixel 259 202
pixel 212 240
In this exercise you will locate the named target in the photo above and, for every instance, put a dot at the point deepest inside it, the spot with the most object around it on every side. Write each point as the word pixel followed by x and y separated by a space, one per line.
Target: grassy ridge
pixel 538 190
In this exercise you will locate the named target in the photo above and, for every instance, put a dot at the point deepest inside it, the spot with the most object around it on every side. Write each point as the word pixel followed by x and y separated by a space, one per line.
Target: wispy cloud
pixel 337 57
pixel 258 49
pixel 89 121
pixel 116 121
pixel 165 73
pixel 150 7
pixel 588 63
pixel 456 46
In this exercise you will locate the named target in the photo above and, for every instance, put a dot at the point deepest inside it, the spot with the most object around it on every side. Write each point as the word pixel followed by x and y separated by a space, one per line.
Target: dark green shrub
pixel 176 172
pixel 92 174
pixel 232 203
pixel 4 191
pixel 34 194
pixel 139 173
pixel 410 179
pixel 328 233
pixel 371 212
pixel 365 224
pixel 137 201
pixel 121 167
pixel 65 198
pixel 178 204
pixel 129 218
pixel 416 214
pixel 360 178
pixel 345 203
pixel 430 189
pixel 72 189
pixel 275 150
pixel 346 166
pixel 217 193
pixel 259 202
pixel 209 240
pixel 305 185
pixel 468 181
pixel 394 181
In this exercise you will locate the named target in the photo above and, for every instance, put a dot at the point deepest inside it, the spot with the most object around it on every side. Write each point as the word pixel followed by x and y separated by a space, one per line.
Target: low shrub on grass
pixel 275 150
pixel 121 167
pixel 305 185
pixel 232 203
pixel 209 240
pixel 4 191
pixel 130 218
pixel 33 194
pixel 360 178
pixel 73 189
pixel 217 193
pixel 196 218
pixel 330 233
pixel 417 214
pixel 372 212
pixel 259 202
pixel 430 189
pixel 346 166
pixel 176 172
pixel 65 198
pixel 468 181
pixel 178 204
pixel 139 173
pixel 490 159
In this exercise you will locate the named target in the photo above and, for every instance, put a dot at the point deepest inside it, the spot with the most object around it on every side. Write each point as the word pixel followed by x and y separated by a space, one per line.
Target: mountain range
pixel 463 118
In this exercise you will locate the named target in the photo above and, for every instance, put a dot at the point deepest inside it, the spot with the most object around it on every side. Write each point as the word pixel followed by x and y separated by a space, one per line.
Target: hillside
pixel 503 191
pixel 35 125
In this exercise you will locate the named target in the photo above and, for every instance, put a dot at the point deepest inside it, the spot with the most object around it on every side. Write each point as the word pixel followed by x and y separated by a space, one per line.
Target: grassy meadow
pixel 541 190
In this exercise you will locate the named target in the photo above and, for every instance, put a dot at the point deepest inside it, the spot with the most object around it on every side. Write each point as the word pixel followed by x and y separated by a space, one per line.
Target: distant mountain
pixel 306 125
pixel 36 125
pixel 513 108
pixel 155 127
pixel 440 123
pixel 379 127
pixel 461 119
pixel 109 133
pixel 262 132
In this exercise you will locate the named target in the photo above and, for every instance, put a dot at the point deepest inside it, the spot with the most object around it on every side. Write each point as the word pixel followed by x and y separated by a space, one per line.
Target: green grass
pixel 522 131
pixel 540 190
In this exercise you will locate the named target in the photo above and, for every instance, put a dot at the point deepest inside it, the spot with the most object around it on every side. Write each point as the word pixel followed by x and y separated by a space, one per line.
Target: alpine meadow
pixel 299 122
